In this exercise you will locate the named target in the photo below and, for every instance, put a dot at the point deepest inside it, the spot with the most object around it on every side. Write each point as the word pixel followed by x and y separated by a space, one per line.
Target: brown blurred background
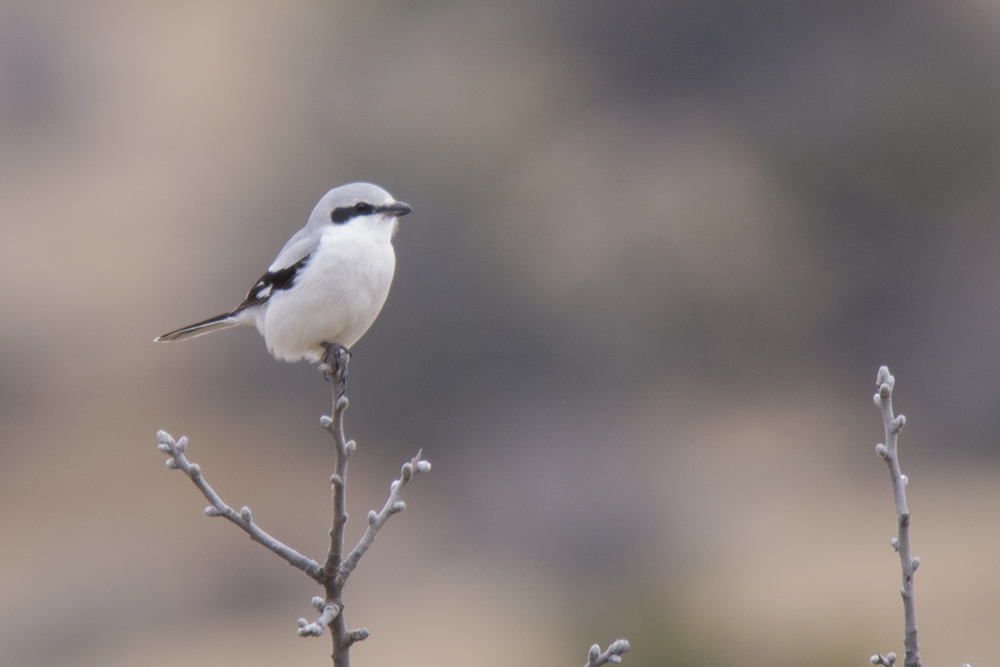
pixel 660 249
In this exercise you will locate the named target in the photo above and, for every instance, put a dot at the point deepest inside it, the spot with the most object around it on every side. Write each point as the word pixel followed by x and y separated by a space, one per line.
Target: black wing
pixel 271 282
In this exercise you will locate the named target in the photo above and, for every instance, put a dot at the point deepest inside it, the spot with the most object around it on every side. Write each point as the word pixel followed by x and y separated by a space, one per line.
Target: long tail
pixel 223 321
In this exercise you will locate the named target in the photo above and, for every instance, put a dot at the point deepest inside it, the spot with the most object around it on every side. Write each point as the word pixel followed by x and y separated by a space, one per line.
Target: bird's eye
pixel 364 208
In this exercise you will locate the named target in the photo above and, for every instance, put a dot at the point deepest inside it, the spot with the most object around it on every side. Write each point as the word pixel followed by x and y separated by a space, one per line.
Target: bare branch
pixel 392 506
pixel 901 543
pixel 178 461
pixel 342 450
pixel 329 611
pixel 612 655
pixel 336 569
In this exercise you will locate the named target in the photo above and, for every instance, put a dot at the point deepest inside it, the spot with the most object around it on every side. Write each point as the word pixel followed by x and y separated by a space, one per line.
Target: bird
pixel 327 284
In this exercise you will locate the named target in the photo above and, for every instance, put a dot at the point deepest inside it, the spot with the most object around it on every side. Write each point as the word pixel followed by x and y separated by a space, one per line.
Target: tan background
pixel 659 251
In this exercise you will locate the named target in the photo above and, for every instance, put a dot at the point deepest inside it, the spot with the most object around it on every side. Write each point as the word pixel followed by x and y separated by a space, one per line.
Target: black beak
pixel 397 210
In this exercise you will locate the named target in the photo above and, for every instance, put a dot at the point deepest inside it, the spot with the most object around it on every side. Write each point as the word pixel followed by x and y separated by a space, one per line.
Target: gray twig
pixel 887 660
pixel 329 611
pixel 392 506
pixel 178 461
pixel 612 655
pixel 901 543
pixel 342 450
pixel 334 572
pixel 336 569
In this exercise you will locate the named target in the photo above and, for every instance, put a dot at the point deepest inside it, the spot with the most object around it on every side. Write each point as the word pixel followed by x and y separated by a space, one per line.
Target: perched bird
pixel 328 284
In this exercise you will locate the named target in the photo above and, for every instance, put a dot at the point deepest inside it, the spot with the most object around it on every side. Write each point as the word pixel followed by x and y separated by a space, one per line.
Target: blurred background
pixel 659 250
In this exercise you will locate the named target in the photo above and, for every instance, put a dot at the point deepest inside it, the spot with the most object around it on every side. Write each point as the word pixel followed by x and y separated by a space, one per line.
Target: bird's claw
pixel 333 364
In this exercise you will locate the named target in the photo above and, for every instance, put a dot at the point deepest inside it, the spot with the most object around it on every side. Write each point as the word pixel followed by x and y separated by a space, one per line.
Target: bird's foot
pixel 333 364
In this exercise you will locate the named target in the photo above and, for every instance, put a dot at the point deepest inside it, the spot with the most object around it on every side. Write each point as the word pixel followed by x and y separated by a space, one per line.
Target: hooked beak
pixel 396 210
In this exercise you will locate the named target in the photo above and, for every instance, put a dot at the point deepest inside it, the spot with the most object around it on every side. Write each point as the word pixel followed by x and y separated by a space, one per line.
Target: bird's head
pixel 365 206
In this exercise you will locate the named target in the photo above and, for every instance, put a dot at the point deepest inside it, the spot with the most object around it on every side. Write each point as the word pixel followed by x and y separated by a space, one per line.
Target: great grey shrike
pixel 328 284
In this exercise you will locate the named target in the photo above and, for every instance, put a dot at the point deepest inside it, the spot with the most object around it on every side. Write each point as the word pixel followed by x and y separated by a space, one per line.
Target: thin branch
pixel 392 506
pixel 901 543
pixel 333 583
pixel 178 461
pixel 336 569
pixel 612 655
pixel 342 450
pixel 328 612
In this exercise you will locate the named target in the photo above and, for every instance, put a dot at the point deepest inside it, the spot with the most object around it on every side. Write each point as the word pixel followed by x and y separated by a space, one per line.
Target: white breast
pixel 334 299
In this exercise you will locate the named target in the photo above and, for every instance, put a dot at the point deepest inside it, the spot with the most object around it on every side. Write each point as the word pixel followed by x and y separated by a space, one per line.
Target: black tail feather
pixel 223 321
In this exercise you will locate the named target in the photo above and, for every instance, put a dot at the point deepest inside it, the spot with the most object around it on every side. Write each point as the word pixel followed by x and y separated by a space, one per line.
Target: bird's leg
pixel 333 364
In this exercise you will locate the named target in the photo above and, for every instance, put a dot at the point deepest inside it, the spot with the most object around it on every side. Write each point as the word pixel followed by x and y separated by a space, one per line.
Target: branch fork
pixel 333 573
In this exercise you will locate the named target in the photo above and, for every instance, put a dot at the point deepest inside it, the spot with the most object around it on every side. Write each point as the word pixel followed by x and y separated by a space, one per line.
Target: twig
pixel 178 461
pixel 392 506
pixel 612 655
pixel 332 582
pixel 901 543
pixel 342 450
pixel 336 569
pixel 329 611
pixel 888 660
